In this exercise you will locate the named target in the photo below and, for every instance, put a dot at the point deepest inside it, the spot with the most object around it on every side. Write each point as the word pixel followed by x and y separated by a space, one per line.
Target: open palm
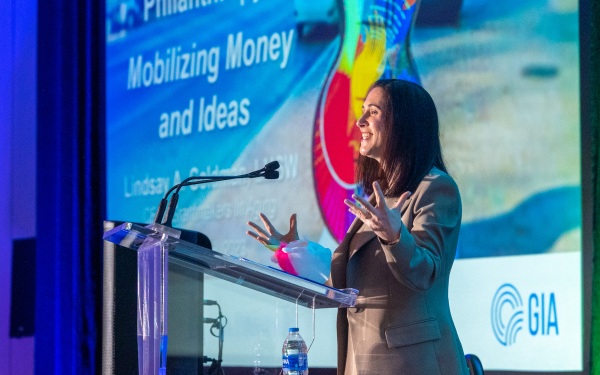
pixel 270 237
pixel 386 222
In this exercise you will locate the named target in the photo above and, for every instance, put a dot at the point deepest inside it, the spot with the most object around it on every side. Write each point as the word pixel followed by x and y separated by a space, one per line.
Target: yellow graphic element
pixel 368 65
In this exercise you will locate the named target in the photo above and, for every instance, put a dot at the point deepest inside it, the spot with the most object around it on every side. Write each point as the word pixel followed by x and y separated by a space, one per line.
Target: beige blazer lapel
pixel 364 238
pixel 339 258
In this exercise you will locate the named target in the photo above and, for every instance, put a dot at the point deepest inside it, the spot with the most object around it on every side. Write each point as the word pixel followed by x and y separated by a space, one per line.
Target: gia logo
pixel 507 314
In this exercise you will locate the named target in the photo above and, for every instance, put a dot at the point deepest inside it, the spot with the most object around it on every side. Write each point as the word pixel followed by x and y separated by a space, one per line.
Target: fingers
pixel 378 194
pixel 257 237
pixel 293 225
pixel 268 224
pixel 363 202
pixel 259 230
pixel 357 211
pixel 401 201
pixel 269 244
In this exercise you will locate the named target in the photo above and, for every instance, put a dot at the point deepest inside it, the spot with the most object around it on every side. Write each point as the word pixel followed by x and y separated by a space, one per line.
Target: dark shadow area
pixel 22 303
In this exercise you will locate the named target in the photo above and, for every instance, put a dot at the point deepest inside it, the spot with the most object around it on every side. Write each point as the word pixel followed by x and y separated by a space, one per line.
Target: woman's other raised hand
pixel 270 237
pixel 386 222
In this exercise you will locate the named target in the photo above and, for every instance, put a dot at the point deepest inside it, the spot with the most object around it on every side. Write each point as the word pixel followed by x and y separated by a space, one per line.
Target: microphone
pixel 271 175
pixel 271 166
pixel 269 172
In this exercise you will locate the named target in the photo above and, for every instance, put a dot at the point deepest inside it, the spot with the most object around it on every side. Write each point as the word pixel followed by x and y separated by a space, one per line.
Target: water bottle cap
pixel 294 330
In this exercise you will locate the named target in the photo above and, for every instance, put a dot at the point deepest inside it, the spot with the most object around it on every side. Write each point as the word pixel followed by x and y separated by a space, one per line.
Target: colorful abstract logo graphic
pixel 507 314
pixel 375 45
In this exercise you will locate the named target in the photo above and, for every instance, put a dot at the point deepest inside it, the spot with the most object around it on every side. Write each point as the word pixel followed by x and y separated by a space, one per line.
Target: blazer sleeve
pixel 417 259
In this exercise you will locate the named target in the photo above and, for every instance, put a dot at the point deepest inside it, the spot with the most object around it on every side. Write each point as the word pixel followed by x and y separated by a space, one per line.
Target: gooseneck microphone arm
pixel 269 167
pixel 175 197
pixel 269 172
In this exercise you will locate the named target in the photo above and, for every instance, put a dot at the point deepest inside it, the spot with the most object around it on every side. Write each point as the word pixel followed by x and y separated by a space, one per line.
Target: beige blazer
pixel 401 323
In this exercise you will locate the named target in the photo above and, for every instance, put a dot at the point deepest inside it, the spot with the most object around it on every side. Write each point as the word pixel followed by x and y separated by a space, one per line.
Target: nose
pixel 362 120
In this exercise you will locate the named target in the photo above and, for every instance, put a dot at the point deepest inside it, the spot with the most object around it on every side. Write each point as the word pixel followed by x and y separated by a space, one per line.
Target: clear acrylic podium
pixel 158 245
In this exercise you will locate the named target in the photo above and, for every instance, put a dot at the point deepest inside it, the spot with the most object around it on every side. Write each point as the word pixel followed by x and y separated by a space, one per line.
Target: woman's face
pixel 371 125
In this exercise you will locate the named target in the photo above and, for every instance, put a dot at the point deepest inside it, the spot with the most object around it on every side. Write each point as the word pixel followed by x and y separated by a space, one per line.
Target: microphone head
pixel 271 175
pixel 272 166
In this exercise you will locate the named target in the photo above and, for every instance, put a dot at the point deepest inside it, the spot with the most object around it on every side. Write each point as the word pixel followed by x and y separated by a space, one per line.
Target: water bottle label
pixel 295 362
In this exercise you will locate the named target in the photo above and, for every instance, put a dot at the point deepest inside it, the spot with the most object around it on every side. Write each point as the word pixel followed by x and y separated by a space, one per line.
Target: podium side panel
pixel 119 311
pixel 119 315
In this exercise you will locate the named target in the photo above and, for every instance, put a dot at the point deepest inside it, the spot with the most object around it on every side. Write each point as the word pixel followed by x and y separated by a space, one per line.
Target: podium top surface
pixel 240 271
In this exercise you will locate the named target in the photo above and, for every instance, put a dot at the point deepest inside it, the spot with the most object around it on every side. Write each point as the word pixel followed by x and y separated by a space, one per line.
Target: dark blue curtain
pixel 70 186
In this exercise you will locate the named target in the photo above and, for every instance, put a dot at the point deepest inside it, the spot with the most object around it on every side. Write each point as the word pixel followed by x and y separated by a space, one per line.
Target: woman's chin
pixel 368 154
pixel 365 150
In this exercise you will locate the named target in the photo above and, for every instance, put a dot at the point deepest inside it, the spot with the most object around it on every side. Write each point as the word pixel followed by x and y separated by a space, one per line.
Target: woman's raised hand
pixel 384 221
pixel 271 238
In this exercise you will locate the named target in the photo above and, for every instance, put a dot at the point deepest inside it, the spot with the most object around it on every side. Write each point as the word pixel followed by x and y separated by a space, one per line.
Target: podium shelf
pixel 240 271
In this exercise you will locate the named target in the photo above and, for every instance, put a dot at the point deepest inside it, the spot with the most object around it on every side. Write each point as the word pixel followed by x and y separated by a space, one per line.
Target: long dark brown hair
pixel 412 140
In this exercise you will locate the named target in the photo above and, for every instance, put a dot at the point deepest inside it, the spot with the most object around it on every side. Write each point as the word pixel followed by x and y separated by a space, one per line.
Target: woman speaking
pixel 400 248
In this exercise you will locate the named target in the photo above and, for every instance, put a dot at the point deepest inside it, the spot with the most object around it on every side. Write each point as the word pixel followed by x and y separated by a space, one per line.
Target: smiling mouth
pixel 366 136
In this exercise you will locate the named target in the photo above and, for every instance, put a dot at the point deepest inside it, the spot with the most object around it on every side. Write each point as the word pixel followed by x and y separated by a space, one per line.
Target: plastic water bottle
pixel 295 359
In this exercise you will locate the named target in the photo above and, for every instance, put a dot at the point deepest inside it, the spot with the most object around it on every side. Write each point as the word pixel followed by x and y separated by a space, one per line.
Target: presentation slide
pixel 221 87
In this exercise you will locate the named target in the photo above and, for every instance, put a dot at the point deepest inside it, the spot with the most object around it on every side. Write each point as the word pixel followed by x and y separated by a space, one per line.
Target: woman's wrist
pixel 391 239
pixel 389 243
